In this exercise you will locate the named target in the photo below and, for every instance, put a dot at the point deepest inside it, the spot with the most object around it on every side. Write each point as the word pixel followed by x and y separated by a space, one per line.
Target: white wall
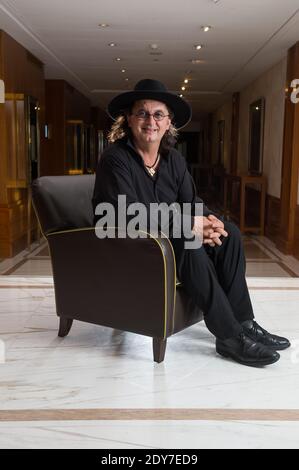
pixel 271 85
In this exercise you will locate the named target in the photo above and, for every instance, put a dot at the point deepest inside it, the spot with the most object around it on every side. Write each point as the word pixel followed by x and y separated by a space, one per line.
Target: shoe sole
pixel 264 362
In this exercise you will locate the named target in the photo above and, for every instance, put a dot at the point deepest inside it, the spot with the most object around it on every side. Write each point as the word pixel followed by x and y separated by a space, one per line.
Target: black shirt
pixel 121 170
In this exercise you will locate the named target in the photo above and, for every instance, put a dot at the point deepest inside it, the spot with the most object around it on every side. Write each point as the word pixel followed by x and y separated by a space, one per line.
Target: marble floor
pixel 99 387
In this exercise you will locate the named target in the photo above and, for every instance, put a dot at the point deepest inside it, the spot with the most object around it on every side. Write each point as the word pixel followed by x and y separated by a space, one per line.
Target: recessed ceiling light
pixel 197 46
pixel 123 70
pixel 112 44
pixel 183 88
pixel 126 79
pixel 117 59
pixel 206 28
pixel 104 25
pixel 186 80
pixel 181 96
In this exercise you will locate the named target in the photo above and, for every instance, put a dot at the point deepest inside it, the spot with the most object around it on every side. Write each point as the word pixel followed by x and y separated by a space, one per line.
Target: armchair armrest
pixel 124 283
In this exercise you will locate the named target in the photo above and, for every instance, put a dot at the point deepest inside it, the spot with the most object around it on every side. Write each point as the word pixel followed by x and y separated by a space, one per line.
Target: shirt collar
pixel 130 144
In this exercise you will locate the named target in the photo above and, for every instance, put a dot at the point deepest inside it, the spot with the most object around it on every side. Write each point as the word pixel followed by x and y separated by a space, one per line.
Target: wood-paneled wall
pixel 63 103
pixel 272 217
pixel 23 75
pixel 77 106
pixel 290 160
pixel 52 162
pixel 296 237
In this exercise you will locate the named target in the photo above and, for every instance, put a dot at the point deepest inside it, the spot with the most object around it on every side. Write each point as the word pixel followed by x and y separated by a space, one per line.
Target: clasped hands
pixel 209 229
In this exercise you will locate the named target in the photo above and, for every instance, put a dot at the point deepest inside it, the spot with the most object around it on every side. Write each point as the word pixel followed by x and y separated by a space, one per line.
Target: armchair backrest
pixel 63 202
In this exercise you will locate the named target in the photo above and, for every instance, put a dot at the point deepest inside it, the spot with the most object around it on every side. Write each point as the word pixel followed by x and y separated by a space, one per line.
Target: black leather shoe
pixel 257 333
pixel 246 351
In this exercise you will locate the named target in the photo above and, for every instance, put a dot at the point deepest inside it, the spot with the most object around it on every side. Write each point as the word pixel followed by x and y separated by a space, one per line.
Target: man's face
pixel 146 129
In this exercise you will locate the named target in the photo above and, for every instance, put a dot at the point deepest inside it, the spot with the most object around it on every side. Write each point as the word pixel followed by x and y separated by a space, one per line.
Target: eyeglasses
pixel 157 115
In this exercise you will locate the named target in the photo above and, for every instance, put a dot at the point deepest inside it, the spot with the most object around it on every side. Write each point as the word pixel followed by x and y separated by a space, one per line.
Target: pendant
pixel 151 171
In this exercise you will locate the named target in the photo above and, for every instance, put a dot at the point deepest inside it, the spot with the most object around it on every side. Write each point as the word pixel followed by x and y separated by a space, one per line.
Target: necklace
pixel 151 168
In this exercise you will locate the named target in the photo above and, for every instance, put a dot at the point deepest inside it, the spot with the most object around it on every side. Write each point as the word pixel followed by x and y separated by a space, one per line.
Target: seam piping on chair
pixel 36 213
pixel 174 290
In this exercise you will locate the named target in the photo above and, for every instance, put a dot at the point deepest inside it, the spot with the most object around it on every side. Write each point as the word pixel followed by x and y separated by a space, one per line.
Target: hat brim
pixel 180 108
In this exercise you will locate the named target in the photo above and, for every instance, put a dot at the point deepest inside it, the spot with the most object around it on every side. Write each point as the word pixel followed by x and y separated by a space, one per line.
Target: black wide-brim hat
pixel 152 90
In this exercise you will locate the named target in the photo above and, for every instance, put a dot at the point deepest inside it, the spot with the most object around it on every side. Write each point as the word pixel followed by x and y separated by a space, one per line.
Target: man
pixel 142 164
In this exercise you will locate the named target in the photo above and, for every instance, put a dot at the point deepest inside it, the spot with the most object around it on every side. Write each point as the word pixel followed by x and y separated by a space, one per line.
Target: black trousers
pixel 214 277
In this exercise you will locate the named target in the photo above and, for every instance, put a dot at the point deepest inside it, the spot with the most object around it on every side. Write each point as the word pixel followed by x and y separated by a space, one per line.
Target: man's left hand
pixel 218 230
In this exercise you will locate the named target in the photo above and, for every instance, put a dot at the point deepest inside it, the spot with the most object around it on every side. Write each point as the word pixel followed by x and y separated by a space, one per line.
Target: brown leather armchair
pixel 127 284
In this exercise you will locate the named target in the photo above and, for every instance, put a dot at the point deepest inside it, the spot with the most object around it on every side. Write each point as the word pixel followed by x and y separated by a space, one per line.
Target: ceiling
pixel 247 38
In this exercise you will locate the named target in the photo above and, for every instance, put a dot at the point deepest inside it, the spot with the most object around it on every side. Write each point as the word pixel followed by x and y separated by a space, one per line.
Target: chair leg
pixel 159 347
pixel 65 325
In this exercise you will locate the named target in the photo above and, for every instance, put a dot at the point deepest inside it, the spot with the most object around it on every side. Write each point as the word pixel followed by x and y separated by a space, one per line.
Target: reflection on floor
pixel 99 387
